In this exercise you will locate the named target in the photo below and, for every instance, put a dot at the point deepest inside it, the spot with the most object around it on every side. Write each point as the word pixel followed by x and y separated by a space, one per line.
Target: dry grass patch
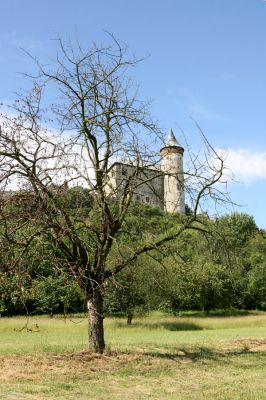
pixel 232 370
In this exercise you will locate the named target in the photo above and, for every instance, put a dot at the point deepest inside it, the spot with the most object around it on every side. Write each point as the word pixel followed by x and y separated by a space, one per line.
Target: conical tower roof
pixel 171 140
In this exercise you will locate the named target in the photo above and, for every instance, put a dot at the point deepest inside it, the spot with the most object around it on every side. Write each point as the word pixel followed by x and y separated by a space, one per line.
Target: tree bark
pixel 95 319
pixel 129 318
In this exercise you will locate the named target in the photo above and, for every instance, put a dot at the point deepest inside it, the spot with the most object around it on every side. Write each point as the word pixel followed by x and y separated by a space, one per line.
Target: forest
pixel 220 267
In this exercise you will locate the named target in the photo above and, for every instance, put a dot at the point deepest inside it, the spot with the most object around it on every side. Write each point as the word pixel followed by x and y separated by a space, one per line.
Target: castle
pixel 162 187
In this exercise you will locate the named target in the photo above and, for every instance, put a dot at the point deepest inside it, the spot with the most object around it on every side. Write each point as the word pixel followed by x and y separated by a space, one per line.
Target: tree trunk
pixel 95 317
pixel 129 318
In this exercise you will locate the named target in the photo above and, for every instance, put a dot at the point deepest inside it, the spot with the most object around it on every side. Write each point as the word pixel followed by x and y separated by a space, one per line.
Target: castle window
pixel 147 199
pixel 124 171
pixel 137 198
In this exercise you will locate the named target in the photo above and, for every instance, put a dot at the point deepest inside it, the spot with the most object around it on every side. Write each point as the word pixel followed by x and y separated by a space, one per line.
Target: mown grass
pixel 158 357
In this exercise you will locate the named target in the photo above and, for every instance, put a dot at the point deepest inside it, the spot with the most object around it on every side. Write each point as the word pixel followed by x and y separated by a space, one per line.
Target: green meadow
pixel 158 357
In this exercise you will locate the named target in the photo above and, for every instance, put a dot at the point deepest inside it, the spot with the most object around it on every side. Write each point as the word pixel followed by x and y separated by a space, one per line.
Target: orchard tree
pixel 96 120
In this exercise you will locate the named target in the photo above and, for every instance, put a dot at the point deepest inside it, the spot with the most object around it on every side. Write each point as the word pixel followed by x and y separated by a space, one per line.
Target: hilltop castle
pixel 162 187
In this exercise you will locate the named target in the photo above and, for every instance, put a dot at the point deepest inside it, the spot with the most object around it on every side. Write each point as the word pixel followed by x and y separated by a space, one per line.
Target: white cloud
pixel 245 165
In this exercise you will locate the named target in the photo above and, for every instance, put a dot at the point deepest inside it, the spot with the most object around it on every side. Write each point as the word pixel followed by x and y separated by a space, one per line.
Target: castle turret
pixel 172 167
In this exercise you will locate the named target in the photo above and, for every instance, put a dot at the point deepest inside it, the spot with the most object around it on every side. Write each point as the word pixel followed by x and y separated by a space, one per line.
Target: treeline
pixel 220 267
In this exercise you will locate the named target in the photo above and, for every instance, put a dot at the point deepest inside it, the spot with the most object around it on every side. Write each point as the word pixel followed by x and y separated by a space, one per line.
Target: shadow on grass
pixel 180 326
pixel 170 326
pixel 204 353
pixel 201 353
pixel 218 313
pixel 243 352
pixel 198 354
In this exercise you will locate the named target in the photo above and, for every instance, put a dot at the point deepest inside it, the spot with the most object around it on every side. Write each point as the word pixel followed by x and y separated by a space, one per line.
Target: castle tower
pixel 172 167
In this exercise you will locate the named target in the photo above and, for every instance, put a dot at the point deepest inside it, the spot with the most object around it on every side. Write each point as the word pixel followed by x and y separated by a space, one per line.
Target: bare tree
pixel 97 120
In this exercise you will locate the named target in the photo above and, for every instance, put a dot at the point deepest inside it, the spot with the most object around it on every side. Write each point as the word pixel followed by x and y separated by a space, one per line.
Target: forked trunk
pixel 95 317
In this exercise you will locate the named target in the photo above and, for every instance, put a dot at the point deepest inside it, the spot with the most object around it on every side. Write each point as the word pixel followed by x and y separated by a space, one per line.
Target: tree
pixel 238 228
pixel 256 287
pixel 56 294
pixel 96 120
pixel 127 294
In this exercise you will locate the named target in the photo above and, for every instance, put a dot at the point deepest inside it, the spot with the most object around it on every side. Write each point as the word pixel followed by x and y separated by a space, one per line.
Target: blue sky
pixel 204 59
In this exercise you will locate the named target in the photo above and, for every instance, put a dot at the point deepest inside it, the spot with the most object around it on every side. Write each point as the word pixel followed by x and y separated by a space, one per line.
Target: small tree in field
pixel 97 120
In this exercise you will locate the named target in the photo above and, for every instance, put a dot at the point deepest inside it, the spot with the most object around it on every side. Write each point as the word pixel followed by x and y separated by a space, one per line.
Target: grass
pixel 158 357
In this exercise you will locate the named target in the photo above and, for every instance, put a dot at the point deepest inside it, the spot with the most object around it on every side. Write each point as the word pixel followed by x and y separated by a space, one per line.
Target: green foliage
pixel 236 229
pixel 79 200
pixel 223 267
pixel 13 296
pixel 135 289
pixel 56 295
pixel 196 286
pixel 256 287
pixel 123 296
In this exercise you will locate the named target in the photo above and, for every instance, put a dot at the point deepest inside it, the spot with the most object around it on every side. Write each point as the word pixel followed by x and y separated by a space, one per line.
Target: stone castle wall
pixel 149 184
pixel 162 187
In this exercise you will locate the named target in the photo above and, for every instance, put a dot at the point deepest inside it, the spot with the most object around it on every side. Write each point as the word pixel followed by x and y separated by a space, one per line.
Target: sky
pixel 203 61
